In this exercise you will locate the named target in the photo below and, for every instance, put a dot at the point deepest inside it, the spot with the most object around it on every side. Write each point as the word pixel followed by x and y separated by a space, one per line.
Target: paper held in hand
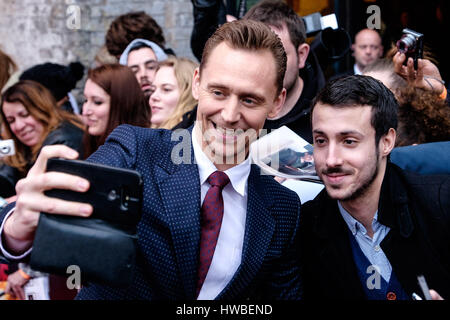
pixel 284 154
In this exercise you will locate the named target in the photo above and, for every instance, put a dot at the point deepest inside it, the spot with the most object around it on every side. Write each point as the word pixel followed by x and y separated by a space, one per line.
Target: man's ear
pixel 278 104
pixel 353 50
pixel 196 83
pixel 381 52
pixel 387 142
pixel 302 53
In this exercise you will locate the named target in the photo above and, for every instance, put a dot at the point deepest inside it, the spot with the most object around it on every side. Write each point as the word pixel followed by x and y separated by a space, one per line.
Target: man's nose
pixel 231 111
pixel 370 50
pixel 334 158
pixel 141 73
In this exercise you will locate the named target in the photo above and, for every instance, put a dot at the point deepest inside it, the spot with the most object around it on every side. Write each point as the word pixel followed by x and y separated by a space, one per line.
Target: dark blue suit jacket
pixel 169 231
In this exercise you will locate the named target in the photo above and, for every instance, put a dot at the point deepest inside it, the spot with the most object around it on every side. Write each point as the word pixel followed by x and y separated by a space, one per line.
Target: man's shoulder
pixel 127 130
pixel 430 191
pixel 146 139
pixel 272 187
pixel 428 158
pixel 412 178
pixel 129 146
pixel 432 186
pixel 319 201
pixel 279 200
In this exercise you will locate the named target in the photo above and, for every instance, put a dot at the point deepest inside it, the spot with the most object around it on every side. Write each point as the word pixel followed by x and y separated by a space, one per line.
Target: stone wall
pixel 62 31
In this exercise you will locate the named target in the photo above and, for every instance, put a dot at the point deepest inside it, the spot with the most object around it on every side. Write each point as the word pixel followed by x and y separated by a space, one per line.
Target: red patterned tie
pixel 211 220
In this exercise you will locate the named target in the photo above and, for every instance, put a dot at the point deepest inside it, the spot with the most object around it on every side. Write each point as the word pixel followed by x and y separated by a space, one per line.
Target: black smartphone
pixel 114 193
pixel 103 246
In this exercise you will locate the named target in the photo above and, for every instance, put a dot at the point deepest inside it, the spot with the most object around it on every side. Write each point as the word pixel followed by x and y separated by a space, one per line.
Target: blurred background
pixel 37 31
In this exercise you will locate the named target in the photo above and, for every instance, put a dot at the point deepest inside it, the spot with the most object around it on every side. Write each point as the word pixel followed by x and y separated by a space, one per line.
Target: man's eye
pixel 248 101
pixel 217 93
pixel 349 142
pixel 319 141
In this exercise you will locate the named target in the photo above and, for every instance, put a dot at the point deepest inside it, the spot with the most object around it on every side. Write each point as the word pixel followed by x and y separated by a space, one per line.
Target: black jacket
pixel 416 208
pixel 208 16
pixel 66 134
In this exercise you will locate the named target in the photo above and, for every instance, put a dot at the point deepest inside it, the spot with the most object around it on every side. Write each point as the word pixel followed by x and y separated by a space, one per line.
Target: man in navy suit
pixel 238 85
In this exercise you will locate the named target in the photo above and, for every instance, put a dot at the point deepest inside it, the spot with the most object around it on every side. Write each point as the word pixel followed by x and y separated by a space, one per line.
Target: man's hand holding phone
pixel 19 228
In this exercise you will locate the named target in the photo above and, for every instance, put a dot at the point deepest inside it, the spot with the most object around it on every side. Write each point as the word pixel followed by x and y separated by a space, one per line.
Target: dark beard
pixel 363 189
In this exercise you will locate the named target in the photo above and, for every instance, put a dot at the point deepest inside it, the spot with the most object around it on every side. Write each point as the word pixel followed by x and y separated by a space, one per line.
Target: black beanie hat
pixel 59 79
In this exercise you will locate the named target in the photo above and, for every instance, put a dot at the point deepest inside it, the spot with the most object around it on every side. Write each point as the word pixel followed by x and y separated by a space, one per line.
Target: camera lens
pixel 112 195
pixel 5 150
pixel 406 43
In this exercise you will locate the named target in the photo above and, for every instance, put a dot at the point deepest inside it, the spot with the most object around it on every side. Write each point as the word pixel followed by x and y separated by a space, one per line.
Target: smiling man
pixel 213 229
pixel 375 228
pixel 234 102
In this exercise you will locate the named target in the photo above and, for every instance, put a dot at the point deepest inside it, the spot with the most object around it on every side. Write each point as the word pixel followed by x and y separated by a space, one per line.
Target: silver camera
pixel 7 148
pixel 411 44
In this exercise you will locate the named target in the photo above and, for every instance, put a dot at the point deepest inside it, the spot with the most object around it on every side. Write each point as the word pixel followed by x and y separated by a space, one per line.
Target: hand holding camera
pixel 411 44
pixel 426 76
pixel 409 63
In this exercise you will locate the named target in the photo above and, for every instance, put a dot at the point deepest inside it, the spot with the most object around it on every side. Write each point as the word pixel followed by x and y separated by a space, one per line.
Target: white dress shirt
pixel 228 252
pixel 356 69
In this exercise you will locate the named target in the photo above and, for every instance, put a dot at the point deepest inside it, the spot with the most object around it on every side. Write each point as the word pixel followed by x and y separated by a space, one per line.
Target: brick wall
pixel 37 31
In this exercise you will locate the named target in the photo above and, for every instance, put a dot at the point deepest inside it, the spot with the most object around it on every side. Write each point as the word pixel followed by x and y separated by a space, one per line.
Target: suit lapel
pixel 259 228
pixel 179 187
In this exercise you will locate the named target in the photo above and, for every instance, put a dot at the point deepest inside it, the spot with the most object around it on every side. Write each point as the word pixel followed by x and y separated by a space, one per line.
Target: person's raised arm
pixel 427 75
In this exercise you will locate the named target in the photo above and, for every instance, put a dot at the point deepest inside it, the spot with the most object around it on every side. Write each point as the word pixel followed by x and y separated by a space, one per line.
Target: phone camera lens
pixel 112 195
